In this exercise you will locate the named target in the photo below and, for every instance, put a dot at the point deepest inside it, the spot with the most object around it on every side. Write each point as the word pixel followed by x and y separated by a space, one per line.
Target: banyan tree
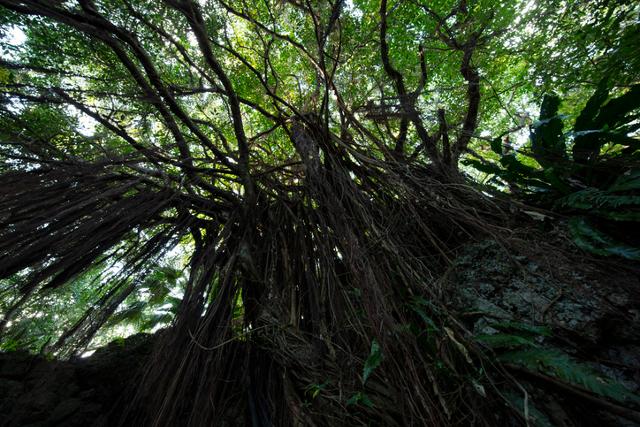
pixel 305 155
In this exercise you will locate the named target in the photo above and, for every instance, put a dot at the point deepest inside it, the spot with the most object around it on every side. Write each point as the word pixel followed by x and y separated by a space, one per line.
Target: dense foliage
pixel 595 182
pixel 284 181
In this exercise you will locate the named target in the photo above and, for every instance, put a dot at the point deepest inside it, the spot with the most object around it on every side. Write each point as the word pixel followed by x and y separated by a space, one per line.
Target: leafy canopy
pixel 289 175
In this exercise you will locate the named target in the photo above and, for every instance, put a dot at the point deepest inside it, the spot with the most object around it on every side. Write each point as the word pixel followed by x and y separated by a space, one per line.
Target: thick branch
pixel 191 11
pixel 470 74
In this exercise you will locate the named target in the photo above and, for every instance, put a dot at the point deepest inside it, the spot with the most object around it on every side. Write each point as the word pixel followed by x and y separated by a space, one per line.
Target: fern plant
pixel 617 207
pixel 590 173
pixel 521 344
pixel 558 364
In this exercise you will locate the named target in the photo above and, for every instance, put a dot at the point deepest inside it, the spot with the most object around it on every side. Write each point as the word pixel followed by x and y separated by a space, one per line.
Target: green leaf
pixel 522 327
pixel 586 118
pixel 599 121
pixel 130 314
pixel 592 198
pixel 490 168
pixel 360 397
pixel 505 341
pixel 353 400
pixel 547 139
pixel 315 389
pixel 418 306
pixel 593 240
pixel 496 145
pixel 560 365
pixel 586 144
pixel 373 361
pixel 627 181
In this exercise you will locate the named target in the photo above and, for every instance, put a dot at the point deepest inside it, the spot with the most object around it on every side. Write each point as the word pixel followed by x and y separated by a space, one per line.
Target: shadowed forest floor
pixel 584 309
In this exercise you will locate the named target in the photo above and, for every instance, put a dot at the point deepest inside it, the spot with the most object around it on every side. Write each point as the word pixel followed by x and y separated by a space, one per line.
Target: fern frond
pixel 593 240
pixel 496 341
pixel 560 365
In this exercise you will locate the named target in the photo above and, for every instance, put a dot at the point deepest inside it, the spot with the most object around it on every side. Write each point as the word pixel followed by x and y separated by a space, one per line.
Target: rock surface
pixel 590 308
pixel 37 392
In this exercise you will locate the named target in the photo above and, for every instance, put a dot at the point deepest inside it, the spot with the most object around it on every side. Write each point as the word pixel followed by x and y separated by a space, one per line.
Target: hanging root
pixel 58 222
pixel 333 283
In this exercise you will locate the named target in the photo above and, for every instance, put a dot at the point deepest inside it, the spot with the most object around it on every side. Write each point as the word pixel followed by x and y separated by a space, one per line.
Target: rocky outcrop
pixel 589 307
pixel 83 392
